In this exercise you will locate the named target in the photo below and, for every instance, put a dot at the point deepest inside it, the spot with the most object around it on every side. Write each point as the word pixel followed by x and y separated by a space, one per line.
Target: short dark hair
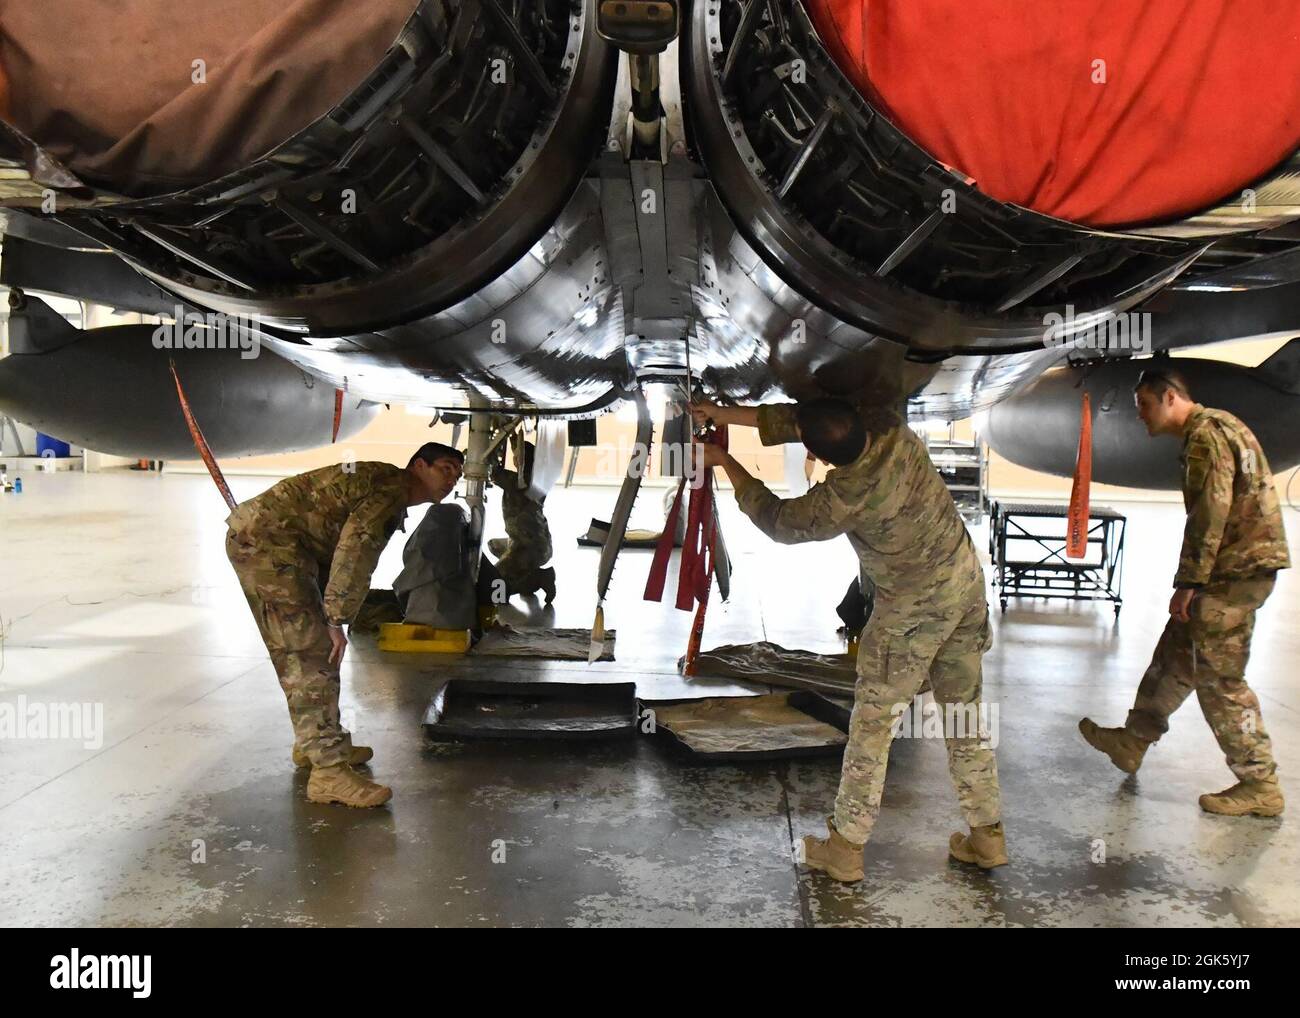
pixel 431 451
pixel 832 430
pixel 1161 379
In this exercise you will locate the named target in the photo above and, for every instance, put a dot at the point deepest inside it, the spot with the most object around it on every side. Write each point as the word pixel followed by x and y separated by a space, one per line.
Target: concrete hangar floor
pixel 190 812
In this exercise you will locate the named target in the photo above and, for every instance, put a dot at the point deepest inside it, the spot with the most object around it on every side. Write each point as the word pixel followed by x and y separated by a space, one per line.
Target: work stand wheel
pixel 1004 604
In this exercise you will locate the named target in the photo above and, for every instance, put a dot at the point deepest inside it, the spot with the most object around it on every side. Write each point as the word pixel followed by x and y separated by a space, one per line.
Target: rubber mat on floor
pixel 727 729
pixel 548 644
pixel 471 708
pixel 775 665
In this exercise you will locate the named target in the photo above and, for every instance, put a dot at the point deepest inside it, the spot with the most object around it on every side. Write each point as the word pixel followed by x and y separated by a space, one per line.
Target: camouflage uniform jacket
pixel 524 518
pixel 341 519
pixel 1234 523
pixel 895 509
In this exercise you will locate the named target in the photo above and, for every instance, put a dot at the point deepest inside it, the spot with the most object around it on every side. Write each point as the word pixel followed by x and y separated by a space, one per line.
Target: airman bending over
pixel 304 551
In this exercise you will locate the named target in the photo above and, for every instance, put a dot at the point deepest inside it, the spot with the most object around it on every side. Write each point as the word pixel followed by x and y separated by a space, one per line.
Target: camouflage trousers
pixel 896 656
pixel 282 587
pixel 1209 654
pixel 520 565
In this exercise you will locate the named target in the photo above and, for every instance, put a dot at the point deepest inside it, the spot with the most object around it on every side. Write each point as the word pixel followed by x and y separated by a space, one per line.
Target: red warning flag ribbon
pixel 1076 538
pixel 695 575
pixel 654 584
pixel 338 414
pixel 200 443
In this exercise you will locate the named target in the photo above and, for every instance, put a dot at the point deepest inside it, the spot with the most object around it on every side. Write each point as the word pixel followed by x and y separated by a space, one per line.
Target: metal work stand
pixel 964 468
pixel 1024 528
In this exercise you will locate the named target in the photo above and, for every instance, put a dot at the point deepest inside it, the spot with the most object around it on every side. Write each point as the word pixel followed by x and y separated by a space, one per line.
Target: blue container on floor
pixel 47 446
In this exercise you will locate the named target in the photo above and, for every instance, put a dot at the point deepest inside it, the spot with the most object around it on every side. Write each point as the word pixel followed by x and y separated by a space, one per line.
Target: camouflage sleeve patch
pixel 361 542
pixel 818 515
pixel 1199 461
pixel 777 425
pixel 1207 491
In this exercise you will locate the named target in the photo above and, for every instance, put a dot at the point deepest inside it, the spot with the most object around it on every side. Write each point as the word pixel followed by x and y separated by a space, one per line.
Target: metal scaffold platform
pixel 1028 551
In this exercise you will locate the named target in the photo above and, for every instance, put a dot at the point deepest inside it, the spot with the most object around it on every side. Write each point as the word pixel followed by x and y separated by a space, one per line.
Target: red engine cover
pixel 1105 112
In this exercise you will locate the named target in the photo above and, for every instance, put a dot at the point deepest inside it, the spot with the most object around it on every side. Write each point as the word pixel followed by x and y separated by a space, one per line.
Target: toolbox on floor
pixel 473 708
pixel 401 636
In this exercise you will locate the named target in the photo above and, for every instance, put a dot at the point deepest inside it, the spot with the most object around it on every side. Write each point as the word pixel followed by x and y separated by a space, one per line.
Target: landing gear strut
pixel 486 433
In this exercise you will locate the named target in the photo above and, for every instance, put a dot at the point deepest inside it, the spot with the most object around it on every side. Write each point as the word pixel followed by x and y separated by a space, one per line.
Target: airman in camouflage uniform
pixel 1233 545
pixel 930 618
pixel 304 551
pixel 527 548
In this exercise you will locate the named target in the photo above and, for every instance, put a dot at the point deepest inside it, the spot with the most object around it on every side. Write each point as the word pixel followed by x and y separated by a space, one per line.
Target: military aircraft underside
pixel 537 208
pixel 447 252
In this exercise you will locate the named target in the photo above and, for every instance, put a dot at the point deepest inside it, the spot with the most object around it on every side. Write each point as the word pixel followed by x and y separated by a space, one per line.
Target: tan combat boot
pixel 986 847
pixel 360 755
pixel 835 855
pixel 1261 798
pixel 342 784
pixel 1124 749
